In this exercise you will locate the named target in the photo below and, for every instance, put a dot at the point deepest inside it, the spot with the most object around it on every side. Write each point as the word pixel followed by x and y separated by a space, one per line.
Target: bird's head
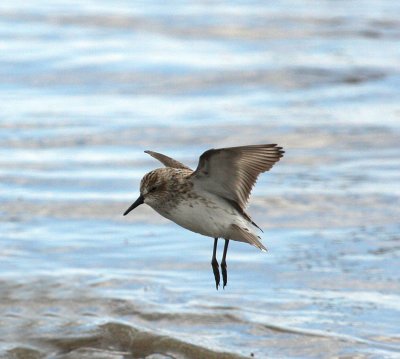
pixel 153 189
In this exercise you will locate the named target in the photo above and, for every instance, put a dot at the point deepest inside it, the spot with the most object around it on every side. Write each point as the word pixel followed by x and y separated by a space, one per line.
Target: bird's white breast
pixel 208 216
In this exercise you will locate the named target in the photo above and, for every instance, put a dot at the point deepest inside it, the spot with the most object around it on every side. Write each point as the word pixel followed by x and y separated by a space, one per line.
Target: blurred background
pixel 87 86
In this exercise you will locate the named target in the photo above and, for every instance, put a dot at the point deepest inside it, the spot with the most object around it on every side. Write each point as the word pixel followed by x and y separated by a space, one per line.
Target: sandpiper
pixel 212 199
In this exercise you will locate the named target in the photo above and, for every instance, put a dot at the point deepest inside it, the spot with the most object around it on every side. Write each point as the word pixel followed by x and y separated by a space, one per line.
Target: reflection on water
pixel 86 88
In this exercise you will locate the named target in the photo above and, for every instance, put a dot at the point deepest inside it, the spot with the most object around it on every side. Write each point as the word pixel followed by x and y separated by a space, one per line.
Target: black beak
pixel 138 202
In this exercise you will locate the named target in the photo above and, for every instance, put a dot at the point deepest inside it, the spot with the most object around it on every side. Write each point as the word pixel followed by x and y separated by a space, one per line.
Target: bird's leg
pixel 223 264
pixel 214 263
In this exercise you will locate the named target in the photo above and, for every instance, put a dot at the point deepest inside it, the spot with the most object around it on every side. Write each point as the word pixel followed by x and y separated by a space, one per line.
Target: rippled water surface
pixel 86 87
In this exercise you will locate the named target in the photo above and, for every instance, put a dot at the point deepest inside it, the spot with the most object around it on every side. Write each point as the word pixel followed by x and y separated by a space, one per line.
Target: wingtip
pixel 262 247
pixel 281 151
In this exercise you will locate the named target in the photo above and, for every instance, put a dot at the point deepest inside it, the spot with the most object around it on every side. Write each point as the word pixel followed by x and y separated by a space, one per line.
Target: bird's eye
pixel 152 189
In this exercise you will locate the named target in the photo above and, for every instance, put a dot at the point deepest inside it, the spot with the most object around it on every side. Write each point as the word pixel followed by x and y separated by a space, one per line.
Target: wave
pixel 118 340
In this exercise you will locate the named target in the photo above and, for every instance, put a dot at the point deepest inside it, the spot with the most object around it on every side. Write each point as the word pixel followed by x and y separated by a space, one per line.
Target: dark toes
pixel 224 274
pixel 216 273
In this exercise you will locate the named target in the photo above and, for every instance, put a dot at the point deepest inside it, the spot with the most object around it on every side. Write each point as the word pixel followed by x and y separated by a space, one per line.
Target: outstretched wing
pixel 167 161
pixel 232 172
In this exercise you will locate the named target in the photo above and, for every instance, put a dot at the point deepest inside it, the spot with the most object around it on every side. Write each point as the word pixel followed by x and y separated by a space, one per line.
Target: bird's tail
pixel 243 234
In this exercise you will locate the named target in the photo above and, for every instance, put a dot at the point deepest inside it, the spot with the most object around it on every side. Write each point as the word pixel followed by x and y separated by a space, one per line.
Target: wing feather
pixel 232 172
pixel 167 161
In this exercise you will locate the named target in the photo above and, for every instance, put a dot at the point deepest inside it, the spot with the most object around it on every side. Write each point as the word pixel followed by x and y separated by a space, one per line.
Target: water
pixel 86 87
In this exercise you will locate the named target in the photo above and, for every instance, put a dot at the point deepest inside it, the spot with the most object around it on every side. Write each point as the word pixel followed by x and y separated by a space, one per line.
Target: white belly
pixel 205 217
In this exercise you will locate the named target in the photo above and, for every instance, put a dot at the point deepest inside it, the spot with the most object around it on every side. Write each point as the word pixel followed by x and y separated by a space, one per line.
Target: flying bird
pixel 212 199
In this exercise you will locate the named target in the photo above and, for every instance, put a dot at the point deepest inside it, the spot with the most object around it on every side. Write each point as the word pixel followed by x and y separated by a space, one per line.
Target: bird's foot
pixel 224 274
pixel 215 268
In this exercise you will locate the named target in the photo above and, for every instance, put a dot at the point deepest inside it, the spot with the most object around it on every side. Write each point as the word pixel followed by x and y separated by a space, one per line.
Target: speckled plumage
pixel 210 200
pixel 172 188
pixel 176 199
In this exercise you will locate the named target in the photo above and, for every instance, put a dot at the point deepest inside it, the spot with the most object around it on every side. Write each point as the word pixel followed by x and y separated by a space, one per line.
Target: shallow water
pixel 85 88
